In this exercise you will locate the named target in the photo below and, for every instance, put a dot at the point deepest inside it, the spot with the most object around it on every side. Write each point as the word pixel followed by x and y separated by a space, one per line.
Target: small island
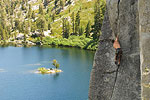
pixel 44 70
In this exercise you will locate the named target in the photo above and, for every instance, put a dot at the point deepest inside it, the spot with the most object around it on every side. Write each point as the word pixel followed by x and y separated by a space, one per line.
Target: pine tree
pixel 3 16
pixel 73 23
pixel 53 17
pixel 46 3
pixel 61 4
pixel 41 9
pixel 33 15
pixel 17 25
pixel 69 2
pixel 2 33
pixel 77 23
pixel 15 34
pixel 23 27
pixel 3 21
pixel 8 31
pixel 29 11
pixel 66 28
pixel 63 26
pixel 26 32
pixel 12 8
pixel 81 30
pixel 97 21
pixel 23 7
pixel 29 24
pixel 8 7
pixel 11 22
pixel 49 26
pixel 88 29
pixel 69 10
pixel 33 27
pixel 41 23
pixel 56 1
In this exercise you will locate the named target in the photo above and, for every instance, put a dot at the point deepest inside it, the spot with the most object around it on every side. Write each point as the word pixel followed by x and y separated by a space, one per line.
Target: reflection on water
pixel 56 75
pixel 2 70
pixel 19 83
pixel 38 64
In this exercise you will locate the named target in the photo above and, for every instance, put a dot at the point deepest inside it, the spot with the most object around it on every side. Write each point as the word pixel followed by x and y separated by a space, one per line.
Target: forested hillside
pixel 52 22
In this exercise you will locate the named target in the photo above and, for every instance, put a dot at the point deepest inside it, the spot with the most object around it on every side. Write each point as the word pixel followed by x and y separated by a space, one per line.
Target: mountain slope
pixel 21 19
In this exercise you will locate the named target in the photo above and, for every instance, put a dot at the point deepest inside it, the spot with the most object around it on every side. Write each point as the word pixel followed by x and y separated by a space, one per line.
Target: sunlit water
pixel 17 82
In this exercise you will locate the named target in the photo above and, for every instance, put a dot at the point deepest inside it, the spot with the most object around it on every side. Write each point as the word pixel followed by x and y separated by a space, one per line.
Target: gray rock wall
pixel 103 74
pixel 108 81
pixel 144 25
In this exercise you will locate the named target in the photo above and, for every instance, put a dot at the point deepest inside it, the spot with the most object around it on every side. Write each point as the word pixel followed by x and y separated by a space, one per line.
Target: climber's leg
pixel 120 56
pixel 116 57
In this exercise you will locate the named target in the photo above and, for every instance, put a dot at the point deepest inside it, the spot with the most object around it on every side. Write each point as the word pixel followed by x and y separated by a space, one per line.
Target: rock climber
pixel 118 55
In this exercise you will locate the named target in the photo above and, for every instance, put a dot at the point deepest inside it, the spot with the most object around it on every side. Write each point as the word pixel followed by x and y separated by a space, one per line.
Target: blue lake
pixel 18 82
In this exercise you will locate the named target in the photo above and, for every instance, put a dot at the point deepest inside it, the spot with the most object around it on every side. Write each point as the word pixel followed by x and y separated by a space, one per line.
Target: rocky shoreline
pixel 47 71
pixel 17 43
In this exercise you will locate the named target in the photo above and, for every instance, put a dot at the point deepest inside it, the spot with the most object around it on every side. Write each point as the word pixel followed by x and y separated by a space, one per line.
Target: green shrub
pixel 42 70
pixel 72 41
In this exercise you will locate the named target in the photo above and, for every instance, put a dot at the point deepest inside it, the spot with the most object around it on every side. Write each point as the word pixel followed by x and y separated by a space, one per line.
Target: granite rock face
pixel 144 25
pixel 108 81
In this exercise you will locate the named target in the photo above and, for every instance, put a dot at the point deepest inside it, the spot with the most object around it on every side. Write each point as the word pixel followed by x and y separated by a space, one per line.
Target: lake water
pixel 18 82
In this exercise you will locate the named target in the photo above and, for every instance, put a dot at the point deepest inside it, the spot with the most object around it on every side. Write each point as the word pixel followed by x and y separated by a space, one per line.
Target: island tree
pixel 56 64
